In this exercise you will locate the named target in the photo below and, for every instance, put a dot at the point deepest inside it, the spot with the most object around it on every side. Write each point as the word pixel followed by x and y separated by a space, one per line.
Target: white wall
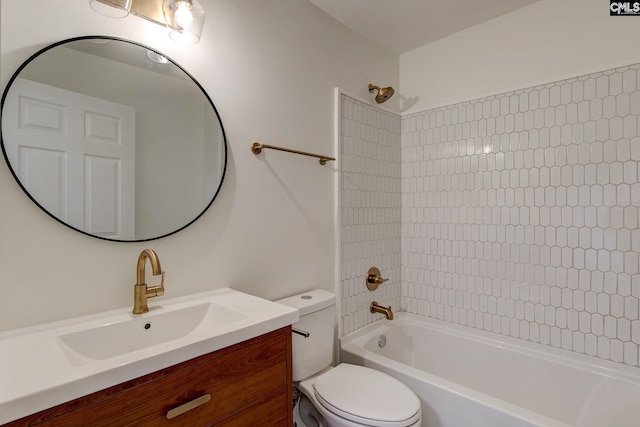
pixel 544 42
pixel 270 68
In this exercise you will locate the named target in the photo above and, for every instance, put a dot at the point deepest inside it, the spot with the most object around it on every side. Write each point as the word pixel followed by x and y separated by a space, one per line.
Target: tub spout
pixel 375 308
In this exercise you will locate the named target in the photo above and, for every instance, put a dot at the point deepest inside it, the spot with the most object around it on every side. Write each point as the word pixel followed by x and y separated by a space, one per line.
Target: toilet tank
pixel 317 310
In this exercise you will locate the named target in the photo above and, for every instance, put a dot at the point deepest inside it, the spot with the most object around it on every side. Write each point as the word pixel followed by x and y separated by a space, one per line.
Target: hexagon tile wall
pixel 370 206
pixel 519 212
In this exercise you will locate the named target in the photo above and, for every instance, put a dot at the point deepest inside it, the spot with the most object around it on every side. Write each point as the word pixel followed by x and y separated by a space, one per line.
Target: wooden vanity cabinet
pixel 249 384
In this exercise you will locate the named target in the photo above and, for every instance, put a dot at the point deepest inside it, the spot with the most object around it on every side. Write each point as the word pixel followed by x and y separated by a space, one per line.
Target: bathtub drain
pixel 382 341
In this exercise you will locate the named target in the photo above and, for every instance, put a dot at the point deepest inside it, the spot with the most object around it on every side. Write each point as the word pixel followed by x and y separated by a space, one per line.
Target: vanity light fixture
pixel 111 8
pixel 184 19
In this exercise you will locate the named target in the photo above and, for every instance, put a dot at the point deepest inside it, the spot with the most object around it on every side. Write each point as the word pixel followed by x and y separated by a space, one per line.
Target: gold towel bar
pixel 256 148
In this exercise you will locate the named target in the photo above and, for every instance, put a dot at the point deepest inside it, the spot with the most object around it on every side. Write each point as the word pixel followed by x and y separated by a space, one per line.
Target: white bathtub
pixel 470 378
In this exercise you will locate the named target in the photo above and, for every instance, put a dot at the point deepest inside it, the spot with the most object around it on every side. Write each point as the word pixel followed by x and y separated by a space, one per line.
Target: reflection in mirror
pixel 113 139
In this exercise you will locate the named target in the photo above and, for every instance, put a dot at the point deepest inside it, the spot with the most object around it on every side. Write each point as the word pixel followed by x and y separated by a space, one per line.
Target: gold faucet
pixel 375 308
pixel 140 290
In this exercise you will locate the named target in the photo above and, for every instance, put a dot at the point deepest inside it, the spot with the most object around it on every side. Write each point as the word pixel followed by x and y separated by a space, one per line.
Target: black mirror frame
pixel 15 176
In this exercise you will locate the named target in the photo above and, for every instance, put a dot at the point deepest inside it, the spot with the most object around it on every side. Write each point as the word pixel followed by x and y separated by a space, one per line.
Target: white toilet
pixel 347 395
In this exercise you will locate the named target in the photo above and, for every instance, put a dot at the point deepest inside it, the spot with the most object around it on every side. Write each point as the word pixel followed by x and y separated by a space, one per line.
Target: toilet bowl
pixel 346 395
pixel 351 396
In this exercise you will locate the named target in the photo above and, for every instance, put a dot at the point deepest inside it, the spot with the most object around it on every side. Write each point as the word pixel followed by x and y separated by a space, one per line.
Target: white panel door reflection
pixel 76 156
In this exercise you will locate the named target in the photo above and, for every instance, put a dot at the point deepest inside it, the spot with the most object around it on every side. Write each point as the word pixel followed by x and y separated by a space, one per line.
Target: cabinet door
pixel 247 384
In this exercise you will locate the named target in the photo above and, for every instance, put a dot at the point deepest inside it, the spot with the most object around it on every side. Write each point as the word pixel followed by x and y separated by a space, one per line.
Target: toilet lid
pixel 367 396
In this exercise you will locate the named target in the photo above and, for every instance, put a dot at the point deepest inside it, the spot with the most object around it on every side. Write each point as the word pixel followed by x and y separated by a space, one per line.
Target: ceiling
pixel 403 25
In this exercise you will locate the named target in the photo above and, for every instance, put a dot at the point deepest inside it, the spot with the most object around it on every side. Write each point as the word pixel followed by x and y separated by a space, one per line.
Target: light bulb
pixel 184 20
pixel 183 14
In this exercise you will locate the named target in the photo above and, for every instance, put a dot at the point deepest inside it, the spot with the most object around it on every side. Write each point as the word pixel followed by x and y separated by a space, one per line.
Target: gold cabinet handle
pixel 172 413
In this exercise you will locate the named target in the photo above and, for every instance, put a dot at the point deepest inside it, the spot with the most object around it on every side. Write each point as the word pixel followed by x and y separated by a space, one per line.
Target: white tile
pixel 591 344
pixel 624 329
pixel 635 331
pixel 589 89
pixel 615 84
pixel 602 86
pixel 616 350
pixel 630 353
pixel 603 347
pixel 609 107
pixel 630 127
pixel 610 327
pixel 616 129
pixel 634 102
pixel 537 188
pixel 629 81
pixel 602 130
pixel 622 104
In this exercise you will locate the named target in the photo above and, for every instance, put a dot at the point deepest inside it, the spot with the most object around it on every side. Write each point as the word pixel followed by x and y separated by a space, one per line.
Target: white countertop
pixel 36 372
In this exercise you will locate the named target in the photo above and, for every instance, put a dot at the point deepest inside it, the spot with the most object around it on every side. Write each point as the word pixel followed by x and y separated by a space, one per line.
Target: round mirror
pixel 113 139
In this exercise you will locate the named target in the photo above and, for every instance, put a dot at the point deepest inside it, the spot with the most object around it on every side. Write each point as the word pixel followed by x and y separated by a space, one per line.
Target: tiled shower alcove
pixel 519 213
pixel 370 208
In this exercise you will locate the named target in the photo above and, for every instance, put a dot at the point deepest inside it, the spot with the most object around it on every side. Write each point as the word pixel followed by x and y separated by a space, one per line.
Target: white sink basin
pixel 136 332
pixel 45 365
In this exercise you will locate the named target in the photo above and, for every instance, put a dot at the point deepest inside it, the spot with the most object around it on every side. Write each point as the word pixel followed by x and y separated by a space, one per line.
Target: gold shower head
pixel 383 93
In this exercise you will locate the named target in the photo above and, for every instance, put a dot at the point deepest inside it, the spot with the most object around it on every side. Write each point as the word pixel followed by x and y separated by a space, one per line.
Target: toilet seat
pixel 366 396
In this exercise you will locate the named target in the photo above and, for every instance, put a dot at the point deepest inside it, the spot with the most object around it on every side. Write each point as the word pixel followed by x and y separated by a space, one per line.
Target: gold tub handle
pixel 374 279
